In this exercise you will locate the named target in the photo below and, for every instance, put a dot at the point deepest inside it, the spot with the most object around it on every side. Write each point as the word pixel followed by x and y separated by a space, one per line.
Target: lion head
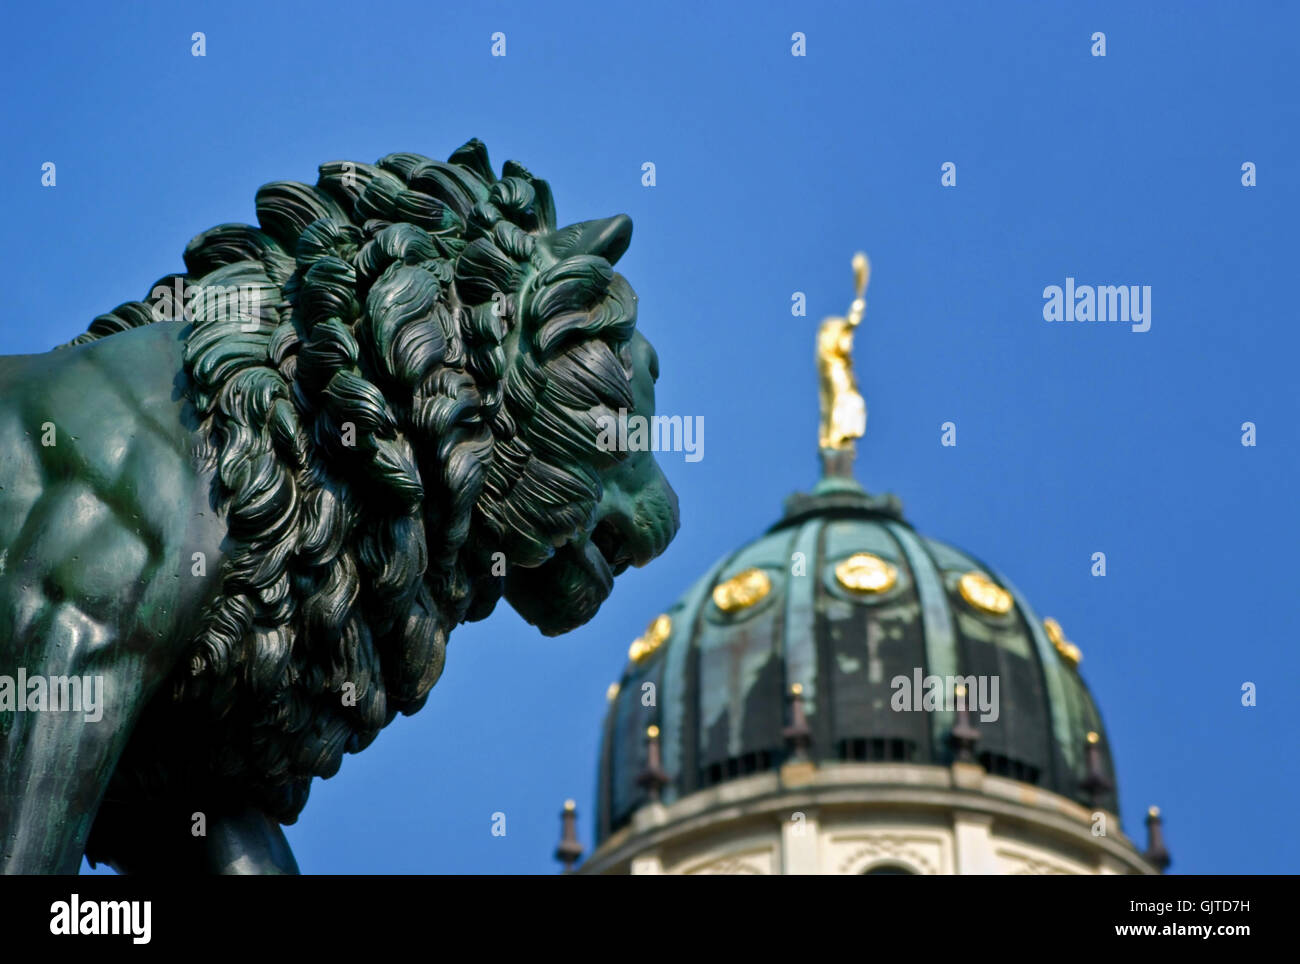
pixel 399 383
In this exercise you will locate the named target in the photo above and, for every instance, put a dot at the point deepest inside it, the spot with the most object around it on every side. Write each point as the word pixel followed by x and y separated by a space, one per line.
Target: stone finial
pixel 1094 782
pixel 569 850
pixel 652 776
pixel 1156 854
pixel 798 735
pixel 964 733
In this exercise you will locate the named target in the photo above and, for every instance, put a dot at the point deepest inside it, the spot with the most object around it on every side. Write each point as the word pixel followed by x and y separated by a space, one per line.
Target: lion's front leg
pixel 59 749
pixel 80 655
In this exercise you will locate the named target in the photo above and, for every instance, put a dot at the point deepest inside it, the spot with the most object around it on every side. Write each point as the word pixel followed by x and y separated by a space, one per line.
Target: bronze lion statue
pixel 238 520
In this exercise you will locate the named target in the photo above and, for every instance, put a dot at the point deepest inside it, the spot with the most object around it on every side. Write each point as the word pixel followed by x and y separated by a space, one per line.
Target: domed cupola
pixel 845 609
pixel 848 669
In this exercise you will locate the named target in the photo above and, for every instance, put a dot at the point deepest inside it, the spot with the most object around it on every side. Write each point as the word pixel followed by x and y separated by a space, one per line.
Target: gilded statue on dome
pixel 843 412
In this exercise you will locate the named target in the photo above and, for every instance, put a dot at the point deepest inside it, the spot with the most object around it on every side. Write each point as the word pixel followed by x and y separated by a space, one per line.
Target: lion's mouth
pixel 566 591
pixel 601 556
pixel 613 547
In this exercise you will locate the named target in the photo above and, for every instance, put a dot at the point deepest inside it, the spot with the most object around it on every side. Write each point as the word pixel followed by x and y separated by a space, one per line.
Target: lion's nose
pixel 659 515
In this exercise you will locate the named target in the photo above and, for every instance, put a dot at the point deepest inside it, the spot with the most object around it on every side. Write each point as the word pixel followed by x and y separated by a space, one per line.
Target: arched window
pixel 888 869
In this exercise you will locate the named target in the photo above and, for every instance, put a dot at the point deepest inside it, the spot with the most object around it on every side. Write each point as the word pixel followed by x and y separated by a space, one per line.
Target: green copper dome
pixel 837 602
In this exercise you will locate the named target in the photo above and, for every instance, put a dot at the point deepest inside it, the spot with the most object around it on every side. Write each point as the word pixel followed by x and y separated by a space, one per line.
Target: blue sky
pixel 771 171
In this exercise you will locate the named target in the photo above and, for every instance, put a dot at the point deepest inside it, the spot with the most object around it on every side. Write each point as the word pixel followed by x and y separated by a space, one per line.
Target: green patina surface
pixel 722 679
pixel 256 504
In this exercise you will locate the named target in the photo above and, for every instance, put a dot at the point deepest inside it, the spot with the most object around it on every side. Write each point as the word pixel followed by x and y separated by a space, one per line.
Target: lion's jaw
pixel 632 526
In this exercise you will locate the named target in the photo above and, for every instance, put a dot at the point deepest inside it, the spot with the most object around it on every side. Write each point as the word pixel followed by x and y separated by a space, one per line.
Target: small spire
pixel 1156 854
pixel 653 777
pixel 569 850
pixel 964 734
pixel 843 412
pixel 1094 783
pixel 798 735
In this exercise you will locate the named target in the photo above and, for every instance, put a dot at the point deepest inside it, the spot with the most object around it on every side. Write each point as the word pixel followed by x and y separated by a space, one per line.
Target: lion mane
pixel 413 398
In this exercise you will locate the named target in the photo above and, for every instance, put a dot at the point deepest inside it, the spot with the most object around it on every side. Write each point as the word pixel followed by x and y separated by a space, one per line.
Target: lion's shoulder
pixel 99 481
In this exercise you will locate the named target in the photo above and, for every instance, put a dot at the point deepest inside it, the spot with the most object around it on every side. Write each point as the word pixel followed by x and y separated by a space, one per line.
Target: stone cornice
pixel 846 787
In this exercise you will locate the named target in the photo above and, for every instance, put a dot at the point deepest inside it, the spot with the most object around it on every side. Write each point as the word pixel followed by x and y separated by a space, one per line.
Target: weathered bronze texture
pixel 247 512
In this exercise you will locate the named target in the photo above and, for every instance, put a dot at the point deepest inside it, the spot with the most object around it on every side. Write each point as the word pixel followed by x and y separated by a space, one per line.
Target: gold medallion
pixel 984 594
pixel 658 631
pixel 866 573
pixel 742 590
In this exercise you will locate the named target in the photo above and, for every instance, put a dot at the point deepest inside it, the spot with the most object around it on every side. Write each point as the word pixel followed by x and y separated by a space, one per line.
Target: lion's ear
pixel 473 156
pixel 605 238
